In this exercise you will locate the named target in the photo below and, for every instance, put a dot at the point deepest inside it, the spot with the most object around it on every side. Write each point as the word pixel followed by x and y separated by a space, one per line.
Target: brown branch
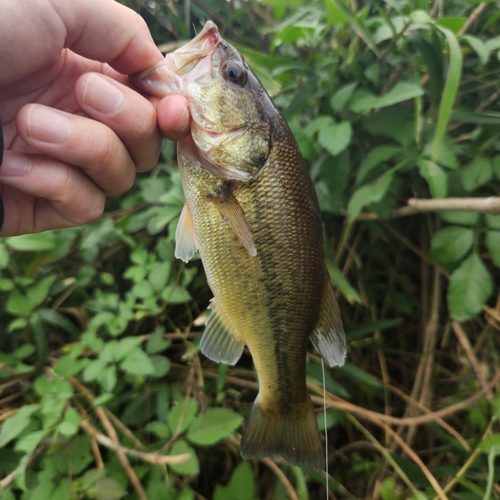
pixel 489 205
pixel 286 483
pixel 469 352
pixel 152 458
pixel 470 20
pixel 97 453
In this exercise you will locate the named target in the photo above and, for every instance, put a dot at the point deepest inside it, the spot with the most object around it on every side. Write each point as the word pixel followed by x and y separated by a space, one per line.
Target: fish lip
pixel 170 75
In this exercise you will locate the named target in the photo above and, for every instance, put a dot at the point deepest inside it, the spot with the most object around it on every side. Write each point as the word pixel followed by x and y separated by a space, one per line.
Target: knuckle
pixel 105 150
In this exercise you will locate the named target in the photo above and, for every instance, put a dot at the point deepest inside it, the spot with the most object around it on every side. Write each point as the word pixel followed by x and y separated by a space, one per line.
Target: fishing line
pixel 326 433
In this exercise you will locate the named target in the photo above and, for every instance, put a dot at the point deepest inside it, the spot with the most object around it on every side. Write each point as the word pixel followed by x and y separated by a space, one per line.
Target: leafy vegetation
pixel 103 392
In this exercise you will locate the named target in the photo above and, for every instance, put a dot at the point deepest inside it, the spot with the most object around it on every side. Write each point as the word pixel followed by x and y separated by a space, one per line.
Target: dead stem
pixel 286 483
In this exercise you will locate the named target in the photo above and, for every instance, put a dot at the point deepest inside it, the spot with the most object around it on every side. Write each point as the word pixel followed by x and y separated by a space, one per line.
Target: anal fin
pixel 231 211
pixel 185 237
pixel 328 337
pixel 218 342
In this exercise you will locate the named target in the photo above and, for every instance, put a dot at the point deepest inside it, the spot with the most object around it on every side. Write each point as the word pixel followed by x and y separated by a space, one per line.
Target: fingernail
pixel 15 165
pixel 47 125
pixel 102 95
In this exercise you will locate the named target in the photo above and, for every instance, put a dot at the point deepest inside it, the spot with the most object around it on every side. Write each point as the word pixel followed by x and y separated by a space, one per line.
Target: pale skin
pixel 74 129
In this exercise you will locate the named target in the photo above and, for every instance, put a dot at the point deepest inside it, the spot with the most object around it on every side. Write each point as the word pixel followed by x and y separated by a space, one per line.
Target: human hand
pixel 73 128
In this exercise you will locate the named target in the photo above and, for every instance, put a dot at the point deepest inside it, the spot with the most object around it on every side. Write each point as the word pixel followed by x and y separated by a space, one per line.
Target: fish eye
pixel 234 72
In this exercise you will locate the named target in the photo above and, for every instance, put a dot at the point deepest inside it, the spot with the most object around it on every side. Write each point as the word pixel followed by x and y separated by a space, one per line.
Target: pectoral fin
pixel 218 342
pixel 231 211
pixel 328 337
pixel 185 237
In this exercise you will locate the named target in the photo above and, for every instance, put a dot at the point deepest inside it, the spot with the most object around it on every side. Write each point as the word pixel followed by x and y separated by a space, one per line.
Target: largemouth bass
pixel 252 211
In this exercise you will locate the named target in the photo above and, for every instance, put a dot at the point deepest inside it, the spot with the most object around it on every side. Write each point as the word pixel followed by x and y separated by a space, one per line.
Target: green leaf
pixel 493 244
pixel 181 416
pixel 14 425
pixel 435 177
pixel 57 319
pixel 342 283
pixel 335 137
pixel 356 25
pixel 103 398
pixel 157 343
pixel 70 423
pixel 123 347
pixel 460 217
pixel 402 91
pixel 469 288
pixel 214 425
pixel 342 96
pixel 451 244
pixel 159 428
pixel 449 92
pixel 479 47
pixel 94 369
pixel 161 365
pixel 107 378
pixel 455 24
pixel 159 275
pixel 29 443
pixel 477 172
pixel 241 486
pixel 370 193
pixel 360 375
pixel 189 468
pixel 492 221
pixel 137 362
pixel 67 366
pixel 38 242
pixel 491 443
pixel 107 488
pixel 4 256
pixel 374 158
pixel 175 294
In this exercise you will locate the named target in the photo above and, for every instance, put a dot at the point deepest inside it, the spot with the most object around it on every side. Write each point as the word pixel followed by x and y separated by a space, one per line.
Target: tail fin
pixel 295 439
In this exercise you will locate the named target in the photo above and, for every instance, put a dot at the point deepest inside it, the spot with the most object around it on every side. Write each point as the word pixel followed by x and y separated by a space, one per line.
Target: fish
pixel 252 212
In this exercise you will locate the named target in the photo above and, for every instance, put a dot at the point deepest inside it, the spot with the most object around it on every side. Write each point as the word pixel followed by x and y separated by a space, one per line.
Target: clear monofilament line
pixel 326 433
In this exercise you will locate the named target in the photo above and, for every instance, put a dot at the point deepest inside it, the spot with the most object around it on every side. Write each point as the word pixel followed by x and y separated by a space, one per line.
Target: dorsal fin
pixel 185 237
pixel 218 342
pixel 328 337
pixel 231 211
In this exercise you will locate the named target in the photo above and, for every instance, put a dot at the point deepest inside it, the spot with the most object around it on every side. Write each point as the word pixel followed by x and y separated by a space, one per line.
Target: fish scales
pixel 252 211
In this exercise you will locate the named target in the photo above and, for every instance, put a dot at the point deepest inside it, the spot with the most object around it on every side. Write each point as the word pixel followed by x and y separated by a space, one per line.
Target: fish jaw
pixel 186 64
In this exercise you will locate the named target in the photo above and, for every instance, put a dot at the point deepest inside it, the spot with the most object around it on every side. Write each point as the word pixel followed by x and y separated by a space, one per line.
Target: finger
pixel 131 116
pixel 107 31
pixel 79 141
pixel 71 197
pixel 173 117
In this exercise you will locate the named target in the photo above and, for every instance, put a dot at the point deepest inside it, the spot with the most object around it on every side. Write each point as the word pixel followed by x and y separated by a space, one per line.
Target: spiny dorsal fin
pixel 218 342
pixel 328 336
pixel 231 211
pixel 185 237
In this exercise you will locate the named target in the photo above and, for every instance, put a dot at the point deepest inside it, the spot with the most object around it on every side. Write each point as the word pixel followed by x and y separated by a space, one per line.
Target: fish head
pixel 228 105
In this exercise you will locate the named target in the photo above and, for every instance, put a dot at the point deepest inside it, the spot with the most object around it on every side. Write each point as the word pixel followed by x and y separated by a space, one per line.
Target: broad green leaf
pixel 492 442
pixel 94 369
pixel 342 96
pixel 370 193
pixel 107 488
pixel 495 163
pixel 67 366
pixel 335 137
pixel 4 256
pixel 402 91
pixel 14 425
pixel 333 15
pixel 493 244
pixel 451 244
pixel 70 423
pixel 175 294
pixel 157 342
pixel 449 91
pixel 435 177
pixel 159 428
pixel 454 24
pixel 29 443
pixel 161 365
pixel 38 242
pixel 446 156
pixel 460 217
pixel 107 378
pixel 137 362
pixel 190 467
pixel 181 416
pixel 241 486
pixel 469 288
pixel 492 221
pixel 214 425
pixel 478 46
pixel 375 157
pixel 103 398
pixel 159 275
pixel 123 347
pixel 477 172
pixel 57 319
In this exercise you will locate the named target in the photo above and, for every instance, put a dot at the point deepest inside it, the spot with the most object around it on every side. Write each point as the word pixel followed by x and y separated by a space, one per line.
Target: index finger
pixel 106 31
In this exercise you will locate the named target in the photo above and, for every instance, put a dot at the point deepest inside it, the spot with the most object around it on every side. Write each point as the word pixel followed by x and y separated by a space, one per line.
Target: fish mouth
pixel 187 63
